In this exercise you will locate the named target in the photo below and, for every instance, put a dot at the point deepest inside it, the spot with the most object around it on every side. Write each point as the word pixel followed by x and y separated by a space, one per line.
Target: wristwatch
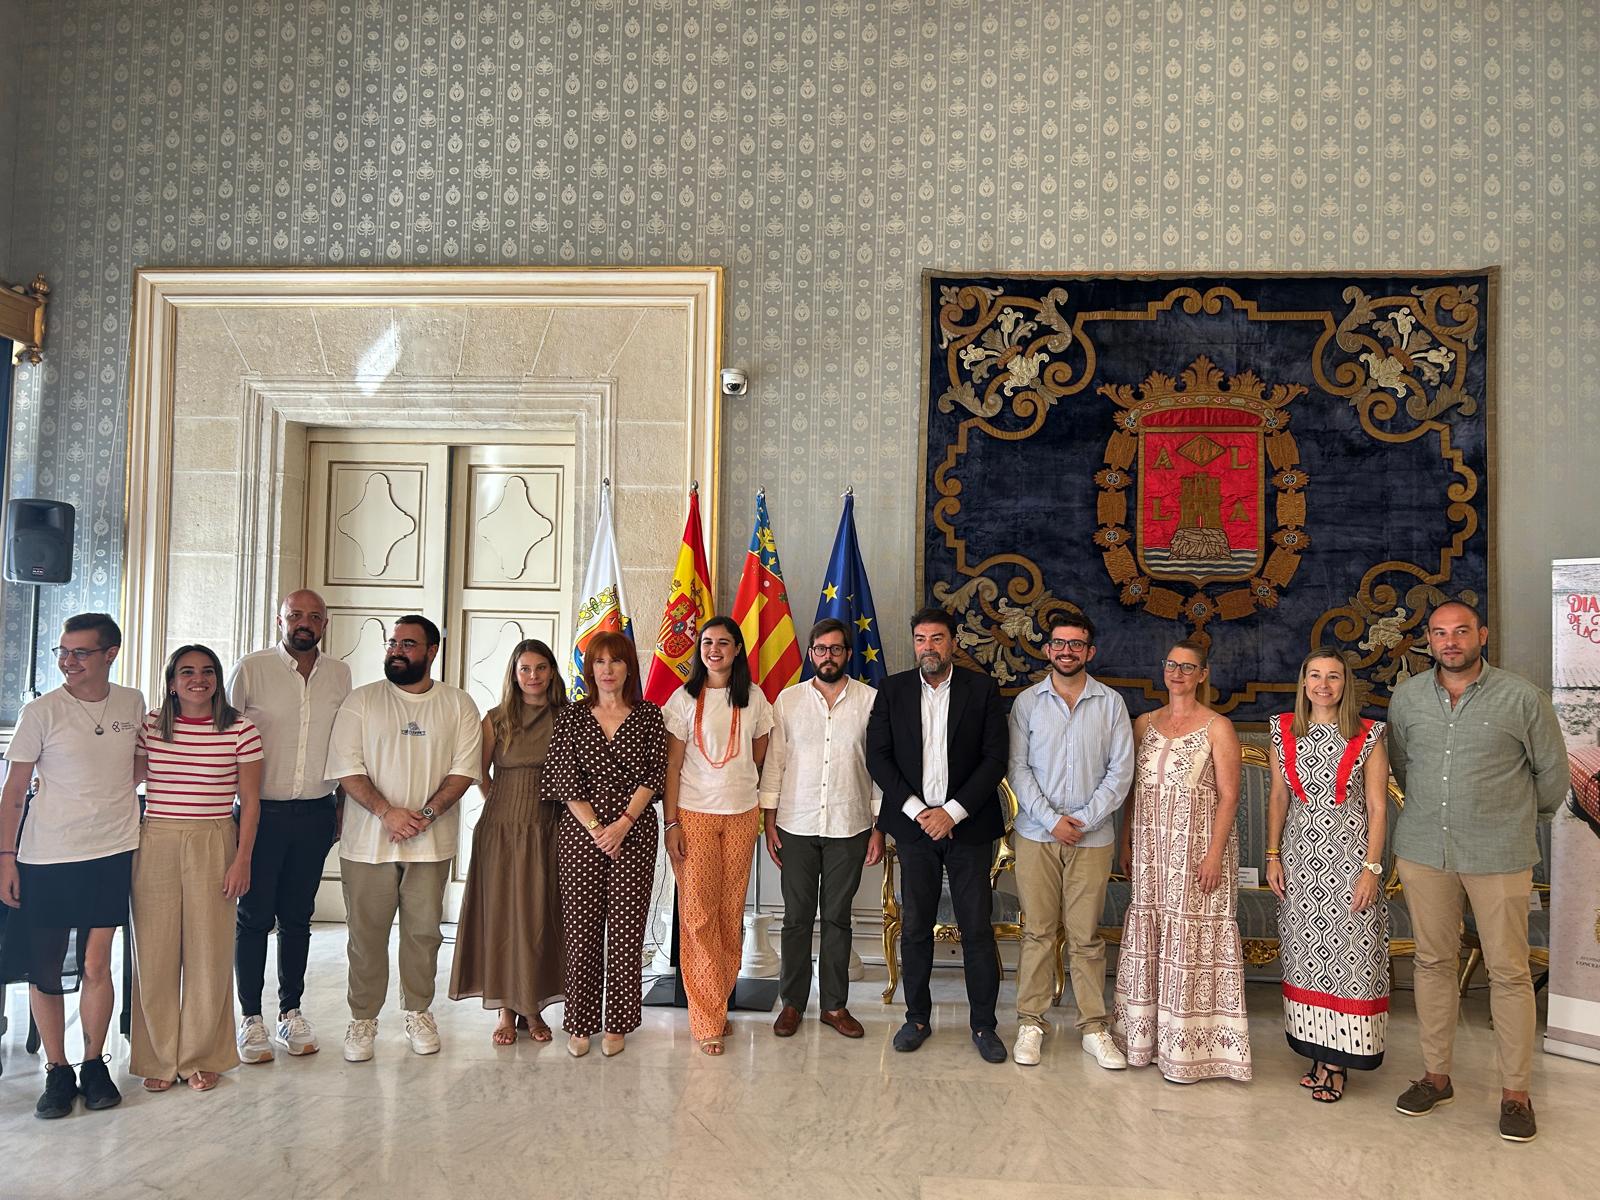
pixel 427 811
pixel 592 824
pixel 1375 868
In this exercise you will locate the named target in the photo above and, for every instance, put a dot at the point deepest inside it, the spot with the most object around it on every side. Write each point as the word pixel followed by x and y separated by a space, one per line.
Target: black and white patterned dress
pixel 1335 962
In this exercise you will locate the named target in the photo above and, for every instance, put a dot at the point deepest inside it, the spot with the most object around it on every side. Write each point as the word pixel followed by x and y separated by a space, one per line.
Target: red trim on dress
pixel 1347 760
pixel 1343 1004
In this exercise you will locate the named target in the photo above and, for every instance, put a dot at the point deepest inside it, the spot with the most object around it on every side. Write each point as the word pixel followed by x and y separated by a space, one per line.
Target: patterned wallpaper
pixel 824 153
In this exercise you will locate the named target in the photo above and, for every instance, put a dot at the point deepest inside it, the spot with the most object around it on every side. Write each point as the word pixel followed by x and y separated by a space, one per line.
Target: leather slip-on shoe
pixel 989 1045
pixel 841 1020
pixel 788 1021
pixel 910 1036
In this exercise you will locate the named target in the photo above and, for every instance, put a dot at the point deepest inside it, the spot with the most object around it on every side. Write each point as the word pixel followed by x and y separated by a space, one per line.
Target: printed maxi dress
pixel 1180 972
pixel 1335 962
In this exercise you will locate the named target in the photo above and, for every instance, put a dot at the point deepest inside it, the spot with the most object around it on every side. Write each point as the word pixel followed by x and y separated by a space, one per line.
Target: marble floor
pixel 816 1116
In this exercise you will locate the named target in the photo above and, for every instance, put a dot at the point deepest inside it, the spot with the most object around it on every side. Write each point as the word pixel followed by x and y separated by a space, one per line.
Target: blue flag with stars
pixel 847 597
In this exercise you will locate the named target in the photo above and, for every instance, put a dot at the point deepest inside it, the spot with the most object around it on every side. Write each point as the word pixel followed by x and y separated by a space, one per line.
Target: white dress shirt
pixel 816 769
pixel 294 716
pixel 935 752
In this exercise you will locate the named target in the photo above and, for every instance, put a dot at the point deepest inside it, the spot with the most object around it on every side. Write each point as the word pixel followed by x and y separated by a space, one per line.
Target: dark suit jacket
pixel 979 743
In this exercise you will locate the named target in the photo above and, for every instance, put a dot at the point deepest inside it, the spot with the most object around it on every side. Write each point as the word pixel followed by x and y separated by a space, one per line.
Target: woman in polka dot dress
pixel 718 724
pixel 607 757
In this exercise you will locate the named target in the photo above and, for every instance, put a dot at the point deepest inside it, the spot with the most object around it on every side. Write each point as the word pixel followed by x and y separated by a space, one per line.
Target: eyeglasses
pixel 831 651
pixel 1076 645
pixel 408 645
pixel 80 655
pixel 1173 667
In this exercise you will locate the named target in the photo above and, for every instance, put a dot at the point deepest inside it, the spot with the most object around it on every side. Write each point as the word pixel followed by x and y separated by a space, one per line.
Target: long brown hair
pixel 513 708
pixel 1349 716
pixel 223 714
pixel 616 646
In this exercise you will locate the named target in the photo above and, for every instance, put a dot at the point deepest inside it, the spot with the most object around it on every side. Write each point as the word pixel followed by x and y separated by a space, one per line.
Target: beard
pixel 931 664
pixel 1469 659
pixel 1071 669
pixel 831 671
pixel 403 671
pixel 302 639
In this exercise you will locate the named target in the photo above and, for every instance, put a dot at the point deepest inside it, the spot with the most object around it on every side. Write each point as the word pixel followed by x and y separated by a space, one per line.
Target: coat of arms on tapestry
pixel 1268 462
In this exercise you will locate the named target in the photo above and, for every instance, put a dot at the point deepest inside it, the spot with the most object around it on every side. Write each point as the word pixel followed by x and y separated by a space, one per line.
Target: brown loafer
pixel 788 1021
pixel 841 1020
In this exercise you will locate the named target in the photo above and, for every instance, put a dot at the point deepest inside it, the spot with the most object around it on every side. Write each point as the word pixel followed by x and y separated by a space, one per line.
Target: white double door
pixel 478 538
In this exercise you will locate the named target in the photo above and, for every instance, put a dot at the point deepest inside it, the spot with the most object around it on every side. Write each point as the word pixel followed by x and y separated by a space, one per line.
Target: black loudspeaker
pixel 39 541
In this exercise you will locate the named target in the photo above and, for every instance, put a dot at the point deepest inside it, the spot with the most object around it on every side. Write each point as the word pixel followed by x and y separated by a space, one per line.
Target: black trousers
pixel 835 864
pixel 922 865
pixel 292 843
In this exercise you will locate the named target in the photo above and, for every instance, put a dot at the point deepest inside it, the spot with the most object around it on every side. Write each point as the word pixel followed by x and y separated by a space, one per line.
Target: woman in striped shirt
pixel 192 864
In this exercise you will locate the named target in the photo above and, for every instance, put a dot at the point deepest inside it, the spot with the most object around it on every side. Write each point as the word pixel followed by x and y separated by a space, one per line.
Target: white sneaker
pixel 296 1034
pixel 1026 1050
pixel 358 1037
pixel 253 1044
pixel 421 1032
pixel 1104 1050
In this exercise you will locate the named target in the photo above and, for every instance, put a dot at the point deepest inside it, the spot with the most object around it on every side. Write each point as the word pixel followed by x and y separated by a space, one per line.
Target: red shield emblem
pixel 1201 488
pixel 679 626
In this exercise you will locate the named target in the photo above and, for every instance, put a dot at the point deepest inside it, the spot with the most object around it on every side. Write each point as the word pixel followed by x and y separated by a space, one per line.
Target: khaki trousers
pixel 182 949
pixel 373 893
pixel 1062 886
pixel 1500 907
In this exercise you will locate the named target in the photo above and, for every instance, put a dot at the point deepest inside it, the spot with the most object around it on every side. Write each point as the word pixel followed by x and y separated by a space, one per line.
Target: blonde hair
pixel 1349 721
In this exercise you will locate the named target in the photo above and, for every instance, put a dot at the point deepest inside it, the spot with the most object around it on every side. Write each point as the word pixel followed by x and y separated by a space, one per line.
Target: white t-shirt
pixel 703 788
pixel 406 744
pixel 85 807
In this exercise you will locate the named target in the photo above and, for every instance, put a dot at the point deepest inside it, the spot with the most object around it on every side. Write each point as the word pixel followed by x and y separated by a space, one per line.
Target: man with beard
pixel 404 749
pixel 291 692
pixel 1479 753
pixel 1071 764
pixel 816 800
pixel 936 746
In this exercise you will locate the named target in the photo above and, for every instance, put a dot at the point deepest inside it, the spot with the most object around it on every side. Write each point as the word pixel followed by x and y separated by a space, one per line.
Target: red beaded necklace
pixel 716 764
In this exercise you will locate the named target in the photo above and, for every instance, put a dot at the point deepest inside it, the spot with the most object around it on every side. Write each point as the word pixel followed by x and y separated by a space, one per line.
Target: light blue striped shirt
pixel 1077 763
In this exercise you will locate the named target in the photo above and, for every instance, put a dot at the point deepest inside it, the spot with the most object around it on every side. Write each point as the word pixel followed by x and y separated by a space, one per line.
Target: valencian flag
pixel 688 604
pixel 847 597
pixel 761 610
pixel 603 608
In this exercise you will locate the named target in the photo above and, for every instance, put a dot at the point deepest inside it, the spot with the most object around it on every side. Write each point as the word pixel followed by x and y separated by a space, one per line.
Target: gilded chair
pixel 1007 921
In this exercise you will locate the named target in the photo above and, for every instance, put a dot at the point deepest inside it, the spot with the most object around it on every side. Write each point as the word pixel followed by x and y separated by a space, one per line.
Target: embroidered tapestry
pixel 1269 462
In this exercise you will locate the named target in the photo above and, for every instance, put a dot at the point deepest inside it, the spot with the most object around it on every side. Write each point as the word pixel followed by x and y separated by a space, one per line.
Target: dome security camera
pixel 734 382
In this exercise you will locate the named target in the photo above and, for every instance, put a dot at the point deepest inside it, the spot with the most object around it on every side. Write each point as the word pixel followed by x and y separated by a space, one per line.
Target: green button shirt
pixel 1476 776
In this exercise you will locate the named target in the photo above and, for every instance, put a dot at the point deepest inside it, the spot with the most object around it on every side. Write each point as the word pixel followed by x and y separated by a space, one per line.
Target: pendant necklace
pixel 99 724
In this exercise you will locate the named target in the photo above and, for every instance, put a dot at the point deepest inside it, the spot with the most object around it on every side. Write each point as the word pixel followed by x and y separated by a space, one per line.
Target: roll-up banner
pixel 1573 1028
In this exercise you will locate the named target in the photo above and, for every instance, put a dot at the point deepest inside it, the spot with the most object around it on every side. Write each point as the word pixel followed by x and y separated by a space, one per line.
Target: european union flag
pixel 847 596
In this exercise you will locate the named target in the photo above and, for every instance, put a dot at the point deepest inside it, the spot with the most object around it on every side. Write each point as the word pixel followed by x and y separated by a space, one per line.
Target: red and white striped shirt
pixel 196 775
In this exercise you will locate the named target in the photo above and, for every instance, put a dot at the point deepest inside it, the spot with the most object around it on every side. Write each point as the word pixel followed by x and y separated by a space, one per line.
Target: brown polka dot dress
pixel 604 902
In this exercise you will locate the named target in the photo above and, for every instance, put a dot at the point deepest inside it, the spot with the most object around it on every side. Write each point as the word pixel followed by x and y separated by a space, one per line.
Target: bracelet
pixel 8 853
pixel 629 815
pixel 1272 854
pixel 671 825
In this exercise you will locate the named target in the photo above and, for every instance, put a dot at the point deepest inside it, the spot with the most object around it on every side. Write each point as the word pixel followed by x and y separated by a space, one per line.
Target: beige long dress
pixel 508 940
pixel 1180 972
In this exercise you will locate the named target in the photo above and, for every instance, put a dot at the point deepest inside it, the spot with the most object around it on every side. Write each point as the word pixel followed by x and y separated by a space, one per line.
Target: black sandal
pixel 1309 1079
pixel 1325 1092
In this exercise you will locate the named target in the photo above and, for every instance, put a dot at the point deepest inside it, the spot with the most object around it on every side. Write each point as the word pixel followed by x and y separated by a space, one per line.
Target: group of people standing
pixel 250 781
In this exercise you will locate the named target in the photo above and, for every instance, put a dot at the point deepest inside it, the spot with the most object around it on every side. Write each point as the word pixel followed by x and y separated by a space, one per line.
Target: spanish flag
pixel 761 610
pixel 688 604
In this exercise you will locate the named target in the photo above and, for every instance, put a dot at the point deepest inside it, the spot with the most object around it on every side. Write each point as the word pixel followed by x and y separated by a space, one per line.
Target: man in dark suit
pixel 936 745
